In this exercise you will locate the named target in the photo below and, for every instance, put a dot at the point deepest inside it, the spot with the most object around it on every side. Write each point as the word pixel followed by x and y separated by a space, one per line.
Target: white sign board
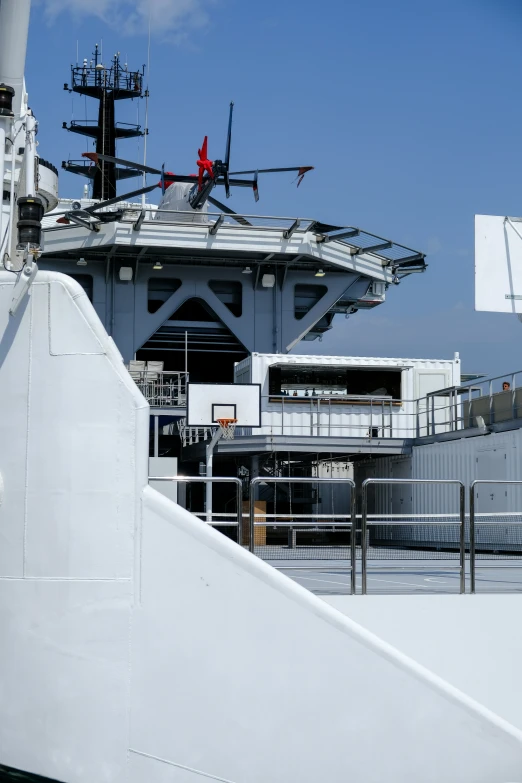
pixel 208 402
pixel 498 264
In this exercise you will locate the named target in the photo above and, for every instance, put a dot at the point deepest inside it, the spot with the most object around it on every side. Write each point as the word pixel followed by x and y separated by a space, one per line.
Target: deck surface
pixel 409 577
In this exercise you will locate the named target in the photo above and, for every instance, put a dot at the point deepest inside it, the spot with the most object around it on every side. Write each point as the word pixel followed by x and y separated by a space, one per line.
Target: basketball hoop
pixel 227 427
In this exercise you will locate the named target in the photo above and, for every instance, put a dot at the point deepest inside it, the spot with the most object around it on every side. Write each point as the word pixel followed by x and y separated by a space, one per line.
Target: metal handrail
pixel 95 123
pixel 426 416
pixel 364 523
pixel 300 225
pixel 379 412
pixel 307 480
pixel 89 76
pixel 382 418
pixel 509 376
pixel 472 529
pixel 485 389
pixel 166 389
pixel 153 208
pixel 145 375
pixel 213 480
pixel 348 397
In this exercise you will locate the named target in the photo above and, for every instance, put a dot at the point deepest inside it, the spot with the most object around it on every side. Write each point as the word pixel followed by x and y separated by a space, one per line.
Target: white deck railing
pixel 162 389
pixel 477 404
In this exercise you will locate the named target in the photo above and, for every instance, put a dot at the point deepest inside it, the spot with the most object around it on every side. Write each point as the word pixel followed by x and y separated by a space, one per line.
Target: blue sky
pixel 410 111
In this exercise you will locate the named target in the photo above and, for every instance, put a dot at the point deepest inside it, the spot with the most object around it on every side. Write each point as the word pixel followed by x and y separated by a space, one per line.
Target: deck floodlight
pixel 125 274
pixel 268 281
pixel 81 262
pixel 157 265
pixel 320 273
pixel 247 271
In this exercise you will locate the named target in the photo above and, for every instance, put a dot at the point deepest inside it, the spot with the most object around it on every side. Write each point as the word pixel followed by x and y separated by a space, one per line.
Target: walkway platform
pixel 302 444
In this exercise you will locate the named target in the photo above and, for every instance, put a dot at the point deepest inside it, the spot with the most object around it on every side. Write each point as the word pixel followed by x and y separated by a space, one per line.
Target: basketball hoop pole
pixel 209 455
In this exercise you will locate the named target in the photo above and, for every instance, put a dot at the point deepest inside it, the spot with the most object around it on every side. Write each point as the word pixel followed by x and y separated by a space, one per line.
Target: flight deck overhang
pixel 279 280
pixel 224 240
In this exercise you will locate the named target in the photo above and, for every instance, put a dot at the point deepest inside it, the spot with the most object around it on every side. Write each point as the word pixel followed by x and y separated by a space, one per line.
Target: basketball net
pixel 227 427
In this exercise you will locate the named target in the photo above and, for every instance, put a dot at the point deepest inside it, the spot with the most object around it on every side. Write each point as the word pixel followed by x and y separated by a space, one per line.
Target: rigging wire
pixel 290 486
pixel 14 195
pixel 146 112
pixel 138 122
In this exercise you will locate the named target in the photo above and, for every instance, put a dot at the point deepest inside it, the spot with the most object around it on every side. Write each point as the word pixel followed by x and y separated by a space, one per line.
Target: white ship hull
pixel 139 644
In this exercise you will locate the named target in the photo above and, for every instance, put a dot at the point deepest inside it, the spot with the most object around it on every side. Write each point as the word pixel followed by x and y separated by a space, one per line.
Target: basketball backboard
pixel 208 402
pixel 498 264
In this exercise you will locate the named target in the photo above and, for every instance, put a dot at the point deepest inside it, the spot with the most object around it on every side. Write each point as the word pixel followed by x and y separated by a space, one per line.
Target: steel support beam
pixel 81 222
pixel 137 225
pixel 289 231
pixel 214 228
pixel 352 232
pixel 374 248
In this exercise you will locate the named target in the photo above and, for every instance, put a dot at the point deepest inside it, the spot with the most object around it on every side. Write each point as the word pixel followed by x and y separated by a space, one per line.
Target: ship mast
pixel 106 85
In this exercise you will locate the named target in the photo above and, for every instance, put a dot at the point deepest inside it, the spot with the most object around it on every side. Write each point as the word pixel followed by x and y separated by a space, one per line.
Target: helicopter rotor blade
pixel 228 211
pixel 235 183
pixel 301 170
pixel 96 157
pixel 226 162
pixel 229 137
pixel 124 196
pixel 189 179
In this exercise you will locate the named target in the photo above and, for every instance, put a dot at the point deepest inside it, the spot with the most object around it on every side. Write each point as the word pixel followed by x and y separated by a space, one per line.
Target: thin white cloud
pixel 131 17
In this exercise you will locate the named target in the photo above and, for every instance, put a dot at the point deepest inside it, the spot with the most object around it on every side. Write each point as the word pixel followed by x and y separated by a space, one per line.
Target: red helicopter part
pixel 204 164
pixel 169 179
pixel 302 172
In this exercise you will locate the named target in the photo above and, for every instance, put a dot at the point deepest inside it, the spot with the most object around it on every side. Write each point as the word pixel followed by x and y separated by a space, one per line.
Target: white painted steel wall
pixel 73 450
pixel 308 418
pixel 498 264
pixel 431 628
pixel 492 456
pixel 164 466
pixel 384 499
pixel 139 644
pixel 304 417
pixel 334 499
pixel 260 363
pixel 241 695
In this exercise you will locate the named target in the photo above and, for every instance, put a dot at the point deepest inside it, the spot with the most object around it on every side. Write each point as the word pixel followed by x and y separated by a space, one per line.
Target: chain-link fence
pixel 290 538
pixel 398 538
pixel 295 535
pixel 495 536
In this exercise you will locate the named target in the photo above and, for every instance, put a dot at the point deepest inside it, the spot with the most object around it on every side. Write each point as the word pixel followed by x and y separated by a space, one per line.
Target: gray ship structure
pixel 215 551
